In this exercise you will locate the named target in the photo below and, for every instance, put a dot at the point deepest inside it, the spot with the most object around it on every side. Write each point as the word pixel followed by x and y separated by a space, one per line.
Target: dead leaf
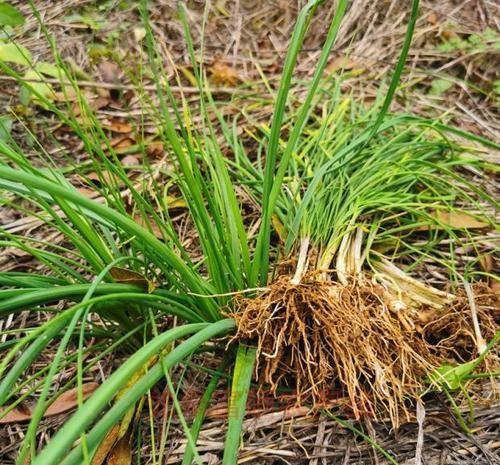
pixel 459 219
pixel 486 262
pixel 126 276
pixel 279 228
pixel 104 177
pixel 66 401
pixel 340 62
pixel 432 18
pixel 118 126
pixel 99 102
pixel 121 144
pixel 94 102
pixel 69 399
pixel 222 74
pixel 495 287
pixel 109 71
pixel 69 95
pixel 89 193
pixel 155 149
pixel 121 454
pixel 344 63
pixel 447 34
pixel 139 33
pixel 130 160
pixel 106 445
pixel 149 224
pixel 209 459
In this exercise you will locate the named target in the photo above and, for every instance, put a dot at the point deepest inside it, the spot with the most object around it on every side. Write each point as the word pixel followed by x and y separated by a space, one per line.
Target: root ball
pixel 329 340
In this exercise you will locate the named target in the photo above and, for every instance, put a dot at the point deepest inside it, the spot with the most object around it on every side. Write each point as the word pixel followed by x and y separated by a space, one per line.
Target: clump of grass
pixel 344 190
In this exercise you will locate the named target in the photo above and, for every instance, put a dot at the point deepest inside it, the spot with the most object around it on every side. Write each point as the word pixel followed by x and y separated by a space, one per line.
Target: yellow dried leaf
pixel 278 227
pixel 106 445
pixel 459 219
pixel 126 276
pixel 222 74
pixel 118 126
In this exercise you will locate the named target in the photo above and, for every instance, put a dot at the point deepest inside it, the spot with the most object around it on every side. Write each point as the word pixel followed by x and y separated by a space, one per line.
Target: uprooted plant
pixel 344 194
pixel 344 311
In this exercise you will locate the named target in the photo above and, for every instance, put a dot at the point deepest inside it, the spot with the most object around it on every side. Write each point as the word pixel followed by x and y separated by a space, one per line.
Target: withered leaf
pixel 155 149
pixel 126 276
pixel 222 74
pixel 106 445
pixel 118 126
pixel 459 219
pixel 66 401
pixel 109 71
pixel 149 224
pixel 130 160
pixel 105 177
pixel 486 262
pixel 121 143
pixel 175 202
pixel 121 453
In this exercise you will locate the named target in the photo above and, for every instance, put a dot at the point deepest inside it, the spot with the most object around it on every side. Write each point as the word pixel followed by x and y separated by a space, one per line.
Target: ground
pixel 452 69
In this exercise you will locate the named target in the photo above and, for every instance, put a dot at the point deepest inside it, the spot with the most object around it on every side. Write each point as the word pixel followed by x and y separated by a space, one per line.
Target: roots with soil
pixel 329 340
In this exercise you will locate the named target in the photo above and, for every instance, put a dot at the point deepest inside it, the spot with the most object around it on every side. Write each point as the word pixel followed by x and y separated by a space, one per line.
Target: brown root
pixel 328 339
pixel 449 332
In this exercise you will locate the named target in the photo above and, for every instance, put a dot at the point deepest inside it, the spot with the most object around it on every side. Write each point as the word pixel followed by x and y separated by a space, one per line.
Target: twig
pixel 116 86
pixel 420 437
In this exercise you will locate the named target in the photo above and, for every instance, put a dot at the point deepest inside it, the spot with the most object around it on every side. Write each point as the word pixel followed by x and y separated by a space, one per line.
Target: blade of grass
pixel 242 376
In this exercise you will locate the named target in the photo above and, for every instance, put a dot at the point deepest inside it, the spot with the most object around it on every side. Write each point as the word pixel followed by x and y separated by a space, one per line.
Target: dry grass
pixel 449 331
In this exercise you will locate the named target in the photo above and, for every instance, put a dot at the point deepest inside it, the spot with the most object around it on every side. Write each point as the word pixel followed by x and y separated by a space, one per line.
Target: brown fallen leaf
pixel 155 149
pixel 486 262
pixel 66 401
pixel 126 276
pixel 432 18
pixel 109 72
pixel 340 62
pixel 115 125
pixel 106 445
pixel 495 287
pixel 121 143
pixel 343 63
pixel 69 95
pixel 105 177
pixel 448 34
pixel 99 102
pixel 121 453
pixel 95 102
pixel 222 74
pixel 149 224
pixel 130 160
pixel 90 193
